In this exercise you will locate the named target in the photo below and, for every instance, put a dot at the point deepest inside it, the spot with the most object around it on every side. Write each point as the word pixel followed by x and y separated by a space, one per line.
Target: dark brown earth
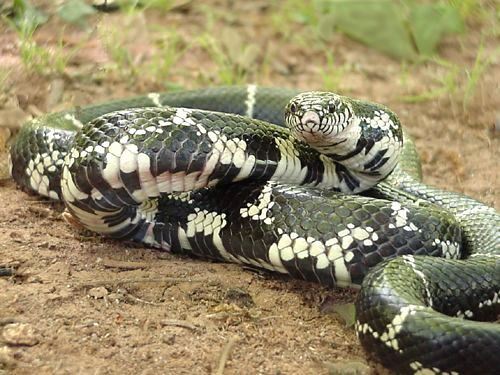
pixel 85 304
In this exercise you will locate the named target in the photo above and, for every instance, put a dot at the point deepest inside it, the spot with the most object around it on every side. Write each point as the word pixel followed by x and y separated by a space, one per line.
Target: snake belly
pixel 235 185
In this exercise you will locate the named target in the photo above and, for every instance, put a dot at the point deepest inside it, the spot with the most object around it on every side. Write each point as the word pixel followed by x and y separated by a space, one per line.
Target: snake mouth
pixel 310 120
pixel 308 127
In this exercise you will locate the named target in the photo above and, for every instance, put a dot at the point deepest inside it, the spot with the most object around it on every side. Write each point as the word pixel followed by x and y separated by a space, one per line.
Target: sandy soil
pixel 85 304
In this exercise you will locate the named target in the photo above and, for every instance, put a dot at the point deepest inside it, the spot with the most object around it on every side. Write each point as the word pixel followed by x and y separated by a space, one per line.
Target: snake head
pixel 318 118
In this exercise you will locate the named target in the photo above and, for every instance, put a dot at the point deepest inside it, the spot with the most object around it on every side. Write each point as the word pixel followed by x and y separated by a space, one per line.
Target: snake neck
pixel 370 153
pixel 365 139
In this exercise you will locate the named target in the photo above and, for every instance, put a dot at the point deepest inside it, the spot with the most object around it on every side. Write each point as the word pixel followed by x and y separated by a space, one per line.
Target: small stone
pixel 20 334
pixel 72 220
pixel 99 292
pixel 115 297
pixel 6 356
pixel 348 368
pixel 169 339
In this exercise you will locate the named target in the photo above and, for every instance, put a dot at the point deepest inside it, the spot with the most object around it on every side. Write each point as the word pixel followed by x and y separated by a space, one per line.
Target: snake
pixel 315 185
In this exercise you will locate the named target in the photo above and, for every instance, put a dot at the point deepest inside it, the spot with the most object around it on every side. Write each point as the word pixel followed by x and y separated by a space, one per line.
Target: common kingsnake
pixel 236 185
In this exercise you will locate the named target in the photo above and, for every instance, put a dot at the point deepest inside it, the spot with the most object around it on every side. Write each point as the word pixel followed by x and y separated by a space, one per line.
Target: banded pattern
pixel 363 138
pixel 166 171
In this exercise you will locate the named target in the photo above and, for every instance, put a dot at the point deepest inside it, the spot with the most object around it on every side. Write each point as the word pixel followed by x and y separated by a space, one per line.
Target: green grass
pixel 230 59
pixel 286 15
pixel 453 80
pixel 169 49
pixel 406 34
pixel 446 83
pixel 467 8
pixel 331 74
pixel 233 59
pixel 46 61
pixel 228 71
pixel 4 79
pixel 38 59
pixel 481 64
pixel 122 60
pixel 236 59
pixel 141 5
pixel 162 48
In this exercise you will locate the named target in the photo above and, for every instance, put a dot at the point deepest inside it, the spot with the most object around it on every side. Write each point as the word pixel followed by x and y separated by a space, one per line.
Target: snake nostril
pixel 310 117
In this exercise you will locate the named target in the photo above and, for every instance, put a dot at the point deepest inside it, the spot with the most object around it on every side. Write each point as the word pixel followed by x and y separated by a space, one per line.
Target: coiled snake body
pixel 235 185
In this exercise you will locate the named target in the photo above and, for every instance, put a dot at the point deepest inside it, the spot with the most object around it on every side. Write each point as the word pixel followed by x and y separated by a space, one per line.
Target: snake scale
pixel 265 177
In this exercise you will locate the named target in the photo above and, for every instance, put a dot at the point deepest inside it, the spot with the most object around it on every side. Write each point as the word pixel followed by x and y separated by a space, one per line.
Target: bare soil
pixel 86 304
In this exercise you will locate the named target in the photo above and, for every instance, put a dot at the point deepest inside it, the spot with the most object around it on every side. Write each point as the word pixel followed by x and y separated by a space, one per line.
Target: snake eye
pixel 331 107
pixel 293 107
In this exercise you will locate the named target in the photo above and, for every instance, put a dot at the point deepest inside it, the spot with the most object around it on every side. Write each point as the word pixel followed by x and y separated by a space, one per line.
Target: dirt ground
pixel 93 306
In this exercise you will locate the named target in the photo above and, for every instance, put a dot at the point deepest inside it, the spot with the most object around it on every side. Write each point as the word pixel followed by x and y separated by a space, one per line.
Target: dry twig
pixel 178 323
pixel 91 284
pixel 124 265
pixel 224 356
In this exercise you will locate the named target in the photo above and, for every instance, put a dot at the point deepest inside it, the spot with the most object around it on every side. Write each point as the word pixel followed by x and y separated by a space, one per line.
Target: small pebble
pixel 168 339
pixel 20 334
pixel 115 297
pixel 99 292
pixel 6 356
pixel 348 368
